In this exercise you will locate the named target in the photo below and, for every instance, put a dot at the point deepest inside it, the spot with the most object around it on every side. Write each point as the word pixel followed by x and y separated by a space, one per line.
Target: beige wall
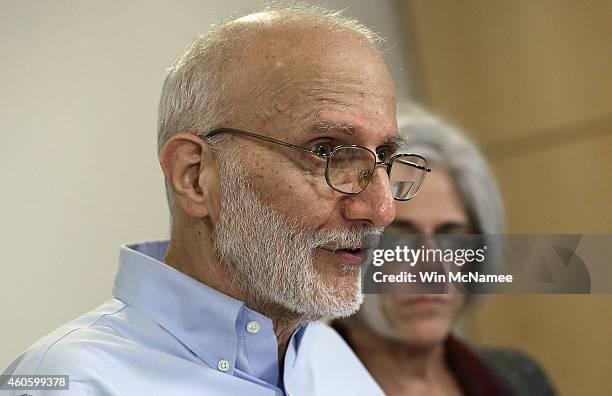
pixel 79 84
pixel 531 80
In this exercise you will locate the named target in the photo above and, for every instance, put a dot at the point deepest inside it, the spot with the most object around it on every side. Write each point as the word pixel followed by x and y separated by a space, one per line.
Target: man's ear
pixel 185 159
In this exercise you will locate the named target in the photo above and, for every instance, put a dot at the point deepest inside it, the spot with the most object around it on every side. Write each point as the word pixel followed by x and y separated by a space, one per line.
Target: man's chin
pixel 348 308
pixel 330 303
pixel 346 296
pixel 340 278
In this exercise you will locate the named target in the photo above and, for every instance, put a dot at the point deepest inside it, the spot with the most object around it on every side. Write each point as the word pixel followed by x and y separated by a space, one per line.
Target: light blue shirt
pixel 165 333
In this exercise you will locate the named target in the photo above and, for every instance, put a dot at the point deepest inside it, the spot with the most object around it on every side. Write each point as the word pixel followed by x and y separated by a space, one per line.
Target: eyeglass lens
pixel 407 173
pixel 350 169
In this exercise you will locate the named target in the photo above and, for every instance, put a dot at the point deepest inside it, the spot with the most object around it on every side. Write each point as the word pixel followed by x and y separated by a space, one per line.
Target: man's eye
pixel 323 148
pixel 384 154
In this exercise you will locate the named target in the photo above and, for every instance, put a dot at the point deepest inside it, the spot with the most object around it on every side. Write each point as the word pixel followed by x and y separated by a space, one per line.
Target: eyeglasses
pixel 349 168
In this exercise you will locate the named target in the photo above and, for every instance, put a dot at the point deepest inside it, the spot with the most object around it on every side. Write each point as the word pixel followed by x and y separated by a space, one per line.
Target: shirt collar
pixel 205 320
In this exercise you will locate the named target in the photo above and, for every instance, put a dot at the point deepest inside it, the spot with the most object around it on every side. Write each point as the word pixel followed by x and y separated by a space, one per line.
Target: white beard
pixel 272 260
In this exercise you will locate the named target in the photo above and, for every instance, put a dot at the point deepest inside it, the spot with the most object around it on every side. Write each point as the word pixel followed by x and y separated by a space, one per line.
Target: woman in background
pixel 406 340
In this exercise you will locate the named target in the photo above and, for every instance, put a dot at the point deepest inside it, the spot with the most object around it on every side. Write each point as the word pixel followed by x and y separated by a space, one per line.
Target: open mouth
pixel 341 249
pixel 354 255
pixel 351 250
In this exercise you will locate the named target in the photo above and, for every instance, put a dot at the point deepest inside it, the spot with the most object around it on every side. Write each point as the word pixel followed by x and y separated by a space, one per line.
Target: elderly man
pixel 277 138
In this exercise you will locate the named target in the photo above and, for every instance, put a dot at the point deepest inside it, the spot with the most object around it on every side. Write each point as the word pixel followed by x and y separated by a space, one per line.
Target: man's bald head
pixel 284 62
pixel 256 67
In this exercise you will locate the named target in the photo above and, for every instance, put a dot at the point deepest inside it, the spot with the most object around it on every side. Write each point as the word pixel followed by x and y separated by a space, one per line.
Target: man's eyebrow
pixel 399 142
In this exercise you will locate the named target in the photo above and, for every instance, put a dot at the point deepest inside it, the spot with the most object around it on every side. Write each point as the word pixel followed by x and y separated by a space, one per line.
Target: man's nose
pixel 375 204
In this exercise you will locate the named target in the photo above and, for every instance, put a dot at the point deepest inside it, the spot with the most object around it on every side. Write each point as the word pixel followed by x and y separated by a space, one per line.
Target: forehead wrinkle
pixel 313 84
pixel 334 87
pixel 286 95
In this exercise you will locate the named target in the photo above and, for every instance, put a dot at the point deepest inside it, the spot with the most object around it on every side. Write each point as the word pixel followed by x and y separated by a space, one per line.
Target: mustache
pixel 361 237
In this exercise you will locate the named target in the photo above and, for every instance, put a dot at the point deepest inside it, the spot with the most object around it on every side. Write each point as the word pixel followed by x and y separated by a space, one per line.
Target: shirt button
pixel 253 326
pixel 223 365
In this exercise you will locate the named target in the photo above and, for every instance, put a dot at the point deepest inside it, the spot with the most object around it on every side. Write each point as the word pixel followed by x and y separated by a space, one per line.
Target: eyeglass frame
pixel 326 157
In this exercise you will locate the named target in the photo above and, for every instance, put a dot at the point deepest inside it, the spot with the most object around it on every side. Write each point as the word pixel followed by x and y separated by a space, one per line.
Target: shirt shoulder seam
pixel 72 331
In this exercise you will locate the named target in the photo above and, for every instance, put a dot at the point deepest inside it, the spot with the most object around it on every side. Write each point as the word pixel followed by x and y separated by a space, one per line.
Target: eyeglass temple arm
pixel 261 137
